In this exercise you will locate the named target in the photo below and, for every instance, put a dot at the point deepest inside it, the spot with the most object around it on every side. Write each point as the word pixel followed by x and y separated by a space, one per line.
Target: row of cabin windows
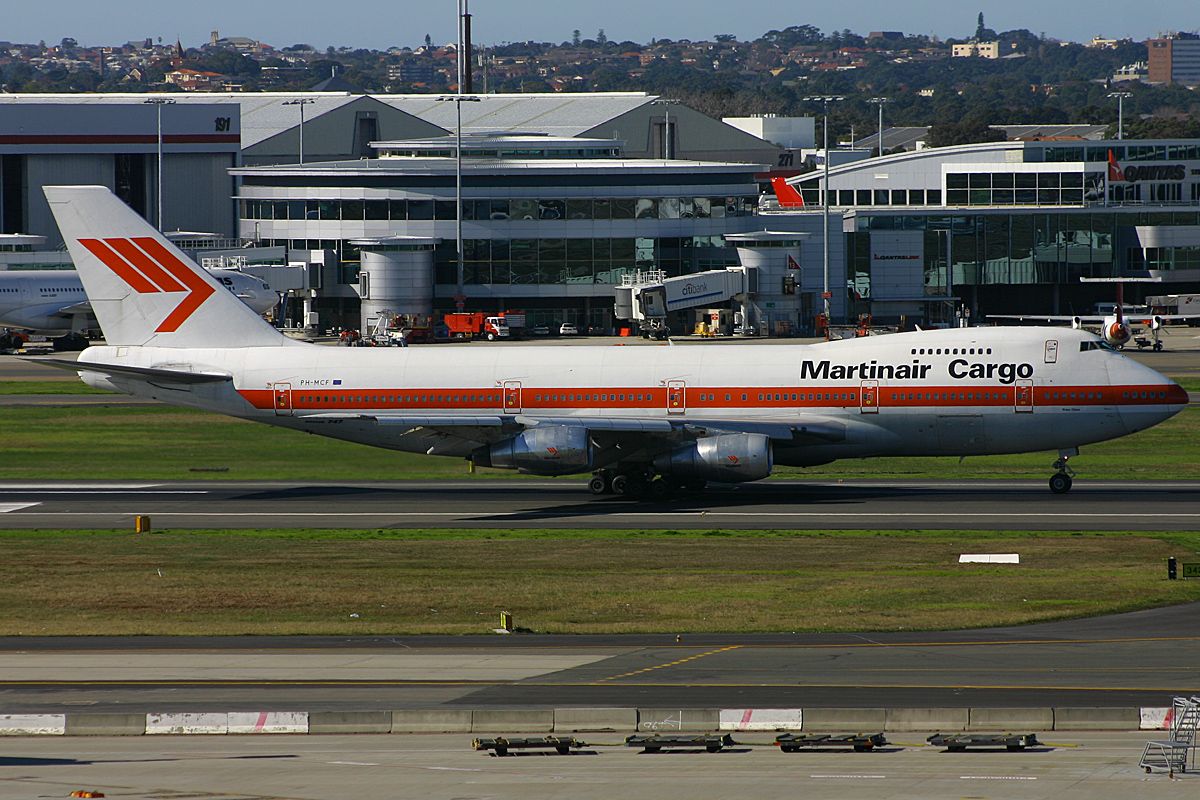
pixel 438 398
pixel 951 351
pixel 802 397
pixel 948 396
pixel 763 396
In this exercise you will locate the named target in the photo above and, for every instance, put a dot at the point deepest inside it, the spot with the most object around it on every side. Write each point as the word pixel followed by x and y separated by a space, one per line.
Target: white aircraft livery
pixel 53 302
pixel 643 420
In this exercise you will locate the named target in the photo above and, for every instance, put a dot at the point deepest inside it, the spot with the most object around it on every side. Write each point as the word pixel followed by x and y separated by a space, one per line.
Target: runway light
pixel 141 524
pixel 86 793
pixel 1172 574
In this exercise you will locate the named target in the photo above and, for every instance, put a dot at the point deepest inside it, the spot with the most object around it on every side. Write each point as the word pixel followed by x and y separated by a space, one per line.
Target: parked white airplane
pixel 640 418
pixel 53 303
pixel 1115 327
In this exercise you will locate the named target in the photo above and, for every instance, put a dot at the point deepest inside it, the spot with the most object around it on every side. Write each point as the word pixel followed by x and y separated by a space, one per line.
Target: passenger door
pixel 1023 395
pixel 283 400
pixel 868 402
pixel 676 397
pixel 512 397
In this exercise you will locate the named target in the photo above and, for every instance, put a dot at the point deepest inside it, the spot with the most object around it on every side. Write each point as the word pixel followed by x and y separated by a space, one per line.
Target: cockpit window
pixel 1096 345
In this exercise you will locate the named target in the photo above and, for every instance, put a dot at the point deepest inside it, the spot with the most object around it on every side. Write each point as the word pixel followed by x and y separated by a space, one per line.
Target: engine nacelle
pixel 732 458
pixel 542 450
pixel 1117 333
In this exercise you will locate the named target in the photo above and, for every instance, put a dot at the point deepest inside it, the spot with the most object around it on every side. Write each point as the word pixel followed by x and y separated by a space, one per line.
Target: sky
pixel 322 23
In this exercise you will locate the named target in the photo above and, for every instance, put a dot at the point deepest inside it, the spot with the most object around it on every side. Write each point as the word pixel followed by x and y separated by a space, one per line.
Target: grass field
pixel 447 581
pixel 161 443
pixel 68 387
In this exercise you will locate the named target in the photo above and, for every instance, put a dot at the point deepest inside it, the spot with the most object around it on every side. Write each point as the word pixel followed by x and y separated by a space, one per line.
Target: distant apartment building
pixel 411 72
pixel 1175 59
pixel 976 50
pixel 1137 71
pixel 191 80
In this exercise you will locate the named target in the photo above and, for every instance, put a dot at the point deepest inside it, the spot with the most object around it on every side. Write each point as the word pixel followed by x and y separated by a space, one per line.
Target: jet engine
pixel 542 450
pixel 1117 332
pixel 731 458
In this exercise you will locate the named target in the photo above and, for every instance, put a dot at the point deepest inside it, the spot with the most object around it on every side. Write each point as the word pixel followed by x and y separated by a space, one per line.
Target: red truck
pixel 476 324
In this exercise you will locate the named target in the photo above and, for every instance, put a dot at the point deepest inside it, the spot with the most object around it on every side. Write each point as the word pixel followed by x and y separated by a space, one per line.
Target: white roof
pixel 557 114
pixel 263 113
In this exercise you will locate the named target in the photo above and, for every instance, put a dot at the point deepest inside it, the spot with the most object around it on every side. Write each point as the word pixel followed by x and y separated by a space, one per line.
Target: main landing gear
pixel 1060 481
pixel 640 484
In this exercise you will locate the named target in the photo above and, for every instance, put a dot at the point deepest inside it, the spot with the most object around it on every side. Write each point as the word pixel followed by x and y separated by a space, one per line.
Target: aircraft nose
pixel 1152 398
pixel 1177 395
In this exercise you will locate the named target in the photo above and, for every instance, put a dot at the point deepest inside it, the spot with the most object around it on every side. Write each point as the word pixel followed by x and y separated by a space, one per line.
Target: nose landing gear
pixel 1060 481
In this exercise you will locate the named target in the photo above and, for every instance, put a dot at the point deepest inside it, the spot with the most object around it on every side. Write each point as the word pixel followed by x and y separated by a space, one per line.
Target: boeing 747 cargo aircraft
pixel 642 420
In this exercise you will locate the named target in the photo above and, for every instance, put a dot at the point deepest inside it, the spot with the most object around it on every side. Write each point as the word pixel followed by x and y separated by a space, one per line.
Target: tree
pixel 575 38
pixel 1176 127
pixel 601 39
pixel 725 38
pixel 979 28
pixel 428 42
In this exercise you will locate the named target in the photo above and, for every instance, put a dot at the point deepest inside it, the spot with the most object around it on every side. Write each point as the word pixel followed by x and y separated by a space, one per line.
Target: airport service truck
pixel 1176 304
pixel 473 325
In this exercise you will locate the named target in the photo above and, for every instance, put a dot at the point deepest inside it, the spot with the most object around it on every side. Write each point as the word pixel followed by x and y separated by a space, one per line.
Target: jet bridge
pixel 647 296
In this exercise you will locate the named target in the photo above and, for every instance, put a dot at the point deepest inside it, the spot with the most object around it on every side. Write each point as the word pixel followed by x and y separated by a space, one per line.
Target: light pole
pixel 1120 111
pixel 881 102
pixel 302 102
pixel 825 100
pixel 668 145
pixel 458 100
pixel 158 103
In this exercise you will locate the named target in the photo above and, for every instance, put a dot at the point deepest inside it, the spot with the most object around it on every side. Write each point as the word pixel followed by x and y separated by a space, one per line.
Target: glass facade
pixel 1022 188
pixel 543 261
pixel 522 209
pixel 1025 248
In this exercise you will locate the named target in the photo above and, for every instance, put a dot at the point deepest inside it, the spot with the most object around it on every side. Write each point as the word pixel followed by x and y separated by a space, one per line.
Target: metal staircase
pixel 1172 754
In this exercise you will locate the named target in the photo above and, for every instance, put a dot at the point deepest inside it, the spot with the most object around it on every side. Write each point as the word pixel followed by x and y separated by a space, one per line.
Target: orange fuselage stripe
pixel 740 397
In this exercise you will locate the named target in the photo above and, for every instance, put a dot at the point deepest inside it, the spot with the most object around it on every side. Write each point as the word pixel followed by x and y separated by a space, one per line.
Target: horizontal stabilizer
pixel 149 373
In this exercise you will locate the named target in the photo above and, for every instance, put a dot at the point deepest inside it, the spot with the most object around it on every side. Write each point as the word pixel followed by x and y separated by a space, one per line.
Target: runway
pixel 1137 659
pixel 488 503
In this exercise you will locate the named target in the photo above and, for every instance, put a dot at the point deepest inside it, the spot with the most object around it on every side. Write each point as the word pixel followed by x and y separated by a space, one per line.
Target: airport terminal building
pixel 1004 227
pixel 550 224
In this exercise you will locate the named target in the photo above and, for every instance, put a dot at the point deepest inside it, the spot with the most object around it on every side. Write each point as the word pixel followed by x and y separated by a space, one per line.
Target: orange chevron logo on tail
pixel 149 268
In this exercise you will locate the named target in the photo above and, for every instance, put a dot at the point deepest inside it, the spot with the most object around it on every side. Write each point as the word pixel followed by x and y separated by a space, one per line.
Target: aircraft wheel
pixel 620 484
pixel 1060 483
pixel 598 485
pixel 659 489
pixel 1158 347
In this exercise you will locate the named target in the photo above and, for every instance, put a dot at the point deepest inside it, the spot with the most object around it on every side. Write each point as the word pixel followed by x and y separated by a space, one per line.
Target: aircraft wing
pixel 460 434
pixel 1085 319
pixel 1143 318
pixel 35 317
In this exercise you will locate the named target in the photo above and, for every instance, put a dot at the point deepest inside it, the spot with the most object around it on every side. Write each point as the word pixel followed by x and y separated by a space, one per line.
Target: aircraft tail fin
pixel 144 290
pixel 786 194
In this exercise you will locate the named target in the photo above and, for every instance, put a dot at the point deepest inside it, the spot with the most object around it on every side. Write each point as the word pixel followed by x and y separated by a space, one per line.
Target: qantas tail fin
pixel 786 194
pixel 143 290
